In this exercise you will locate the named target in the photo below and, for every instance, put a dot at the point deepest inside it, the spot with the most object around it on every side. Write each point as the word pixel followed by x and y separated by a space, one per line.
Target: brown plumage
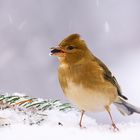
pixel 86 81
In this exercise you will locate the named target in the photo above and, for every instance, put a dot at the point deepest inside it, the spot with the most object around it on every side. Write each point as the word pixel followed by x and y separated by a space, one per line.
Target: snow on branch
pixel 32 110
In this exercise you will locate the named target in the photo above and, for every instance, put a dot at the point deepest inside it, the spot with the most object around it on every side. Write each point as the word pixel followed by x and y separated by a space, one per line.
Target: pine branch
pixel 8 101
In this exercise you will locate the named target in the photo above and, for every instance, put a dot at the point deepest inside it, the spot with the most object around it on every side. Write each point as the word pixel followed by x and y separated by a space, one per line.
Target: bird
pixel 86 81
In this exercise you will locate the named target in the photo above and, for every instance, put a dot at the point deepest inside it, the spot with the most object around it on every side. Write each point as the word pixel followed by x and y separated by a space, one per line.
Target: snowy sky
pixel 29 28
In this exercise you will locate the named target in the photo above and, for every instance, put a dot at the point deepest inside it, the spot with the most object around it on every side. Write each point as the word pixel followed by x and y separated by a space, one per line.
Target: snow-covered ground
pixel 54 124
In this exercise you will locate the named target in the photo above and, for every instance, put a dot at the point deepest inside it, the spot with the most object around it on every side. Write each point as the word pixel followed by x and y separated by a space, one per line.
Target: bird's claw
pixel 114 128
pixel 81 126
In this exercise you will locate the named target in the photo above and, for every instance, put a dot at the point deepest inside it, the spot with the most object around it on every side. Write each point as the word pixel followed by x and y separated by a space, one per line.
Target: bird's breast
pixel 87 99
pixel 85 87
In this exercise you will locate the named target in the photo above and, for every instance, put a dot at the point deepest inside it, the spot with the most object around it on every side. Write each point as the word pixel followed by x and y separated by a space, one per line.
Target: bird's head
pixel 71 49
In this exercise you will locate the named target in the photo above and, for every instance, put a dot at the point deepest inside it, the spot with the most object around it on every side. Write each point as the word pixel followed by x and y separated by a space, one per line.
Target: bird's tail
pixel 126 108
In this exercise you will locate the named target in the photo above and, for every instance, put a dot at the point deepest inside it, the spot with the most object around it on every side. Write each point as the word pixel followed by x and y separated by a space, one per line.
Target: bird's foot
pixel 81 126
pixel 115 128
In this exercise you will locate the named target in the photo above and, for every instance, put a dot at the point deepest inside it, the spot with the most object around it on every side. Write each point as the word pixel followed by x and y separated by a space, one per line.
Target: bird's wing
pixel 109 77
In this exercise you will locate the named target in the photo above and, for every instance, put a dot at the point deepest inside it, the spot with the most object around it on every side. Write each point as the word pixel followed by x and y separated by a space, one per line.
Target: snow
pixel 10 19
pixel 107 27
pixel 61 125
pixel 97 3
pixel 21 25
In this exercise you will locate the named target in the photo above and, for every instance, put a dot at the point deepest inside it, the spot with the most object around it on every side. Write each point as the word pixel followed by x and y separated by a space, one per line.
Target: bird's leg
pixel 113 124
pixel 80 123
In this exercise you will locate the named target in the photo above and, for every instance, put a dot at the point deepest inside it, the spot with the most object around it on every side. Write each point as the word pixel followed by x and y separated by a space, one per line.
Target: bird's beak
pixel 57 51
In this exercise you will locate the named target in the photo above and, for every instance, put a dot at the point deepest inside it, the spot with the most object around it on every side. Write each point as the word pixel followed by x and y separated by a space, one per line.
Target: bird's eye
pixel 70 47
